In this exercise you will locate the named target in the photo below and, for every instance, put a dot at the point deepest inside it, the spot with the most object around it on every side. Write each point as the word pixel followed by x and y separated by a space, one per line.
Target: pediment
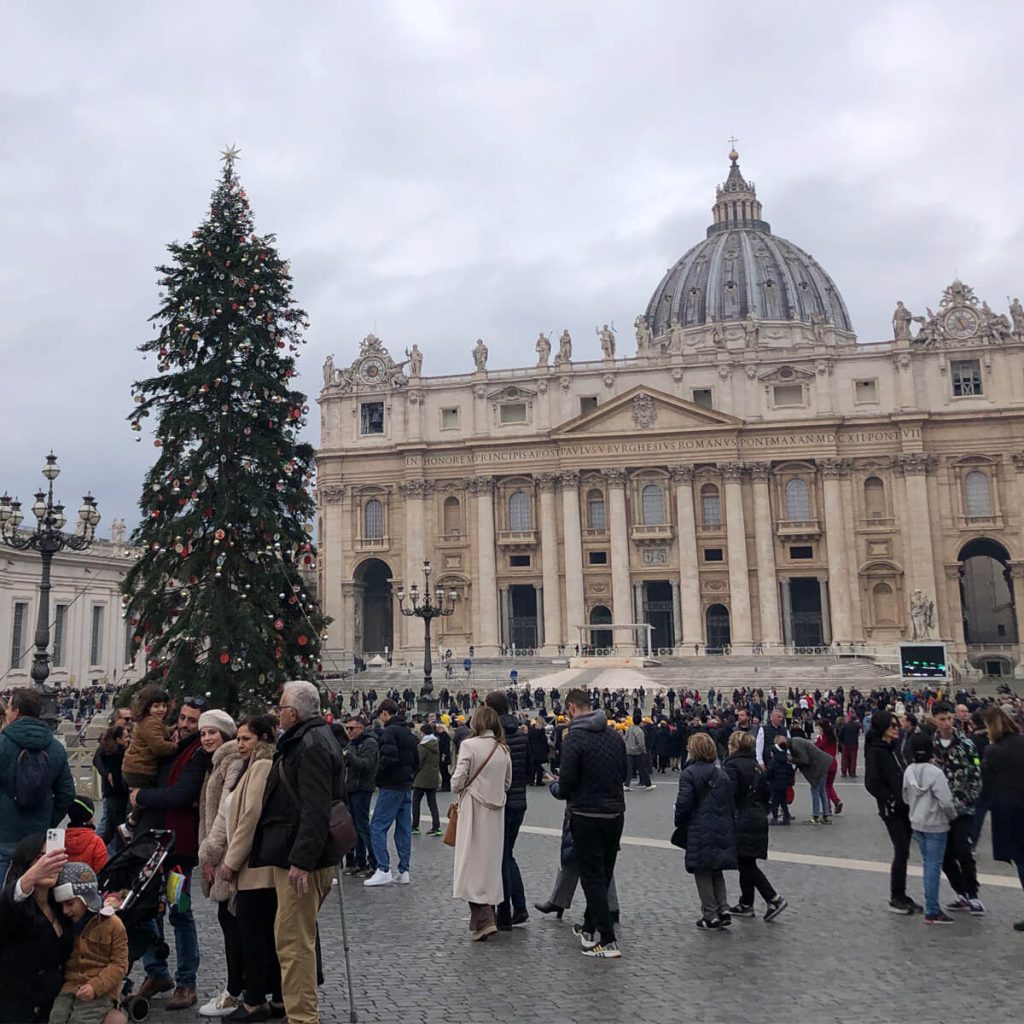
pixel 786 374
pixel 644 409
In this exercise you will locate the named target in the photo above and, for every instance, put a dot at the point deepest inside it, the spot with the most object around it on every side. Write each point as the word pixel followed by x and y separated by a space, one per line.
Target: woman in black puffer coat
pixel 704 811
pixel 750 799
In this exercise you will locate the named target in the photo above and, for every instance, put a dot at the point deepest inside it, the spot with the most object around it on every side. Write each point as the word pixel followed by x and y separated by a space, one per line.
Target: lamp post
pixel 47 537
pixel 427 608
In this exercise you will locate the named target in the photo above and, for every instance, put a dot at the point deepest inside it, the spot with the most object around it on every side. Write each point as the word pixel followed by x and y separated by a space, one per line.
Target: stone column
pixel 504 614
pixel 638 615
pixel 835 540
pixel 1017 583
pixel 414 510
pixel 552 620
pixel 336 536
pixel 954 573
pixel 787 611
pixel 916 525
pixel 826 610
pixel 619 530
pixel 677 622
pixel 575 612
pixel 739 573
pixel 485 639
pixel 764 544
pixel 689 565
pixel 852 558
pixel 1018 463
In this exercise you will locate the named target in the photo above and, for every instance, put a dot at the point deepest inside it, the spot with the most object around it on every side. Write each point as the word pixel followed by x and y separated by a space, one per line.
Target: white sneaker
pixel 379 877
pixel 403 878
pixel 224 1004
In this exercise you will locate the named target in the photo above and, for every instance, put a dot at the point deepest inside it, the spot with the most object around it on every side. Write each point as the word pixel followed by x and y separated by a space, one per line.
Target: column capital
pixel 545 482
pixel 913 463
pixel 681 474
pixel 615 477
pixel 954 570
pixel 568 478
pixel 833 469
pixel 1016 570
pixel 732 471
pixel 416 488
pixel 481 485
pixel 1018 461
pixel 331 492
pixel 760 471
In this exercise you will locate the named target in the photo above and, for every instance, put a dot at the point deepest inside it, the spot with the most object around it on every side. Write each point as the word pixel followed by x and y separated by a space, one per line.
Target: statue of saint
pixel 901 319
pixel 328 371
pixel 607 336
pixel 818 328
pixel 644 336
pixel 543 348
pixel 564 348
pixel 717 335
pixel 750 331
pixel 675 337
pixel 415 359
pixel 922 615
pixel 117 531
pixel 480 355
pixel 1017 315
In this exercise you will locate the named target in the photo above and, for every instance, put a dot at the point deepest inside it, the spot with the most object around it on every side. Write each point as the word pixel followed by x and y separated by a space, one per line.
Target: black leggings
pixel 900 832
pixel 417 798
pixel 751 878
pixel 229 925
pixel 256 910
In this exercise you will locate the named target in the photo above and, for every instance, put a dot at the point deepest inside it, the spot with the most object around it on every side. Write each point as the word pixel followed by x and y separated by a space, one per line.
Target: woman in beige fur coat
pixel 481 785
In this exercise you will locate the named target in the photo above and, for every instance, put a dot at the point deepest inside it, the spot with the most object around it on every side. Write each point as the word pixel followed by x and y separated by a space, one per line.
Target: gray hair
pixel 303 697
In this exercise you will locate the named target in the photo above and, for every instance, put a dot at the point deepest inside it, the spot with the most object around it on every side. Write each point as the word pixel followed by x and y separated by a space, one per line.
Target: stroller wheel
pixel 137 1008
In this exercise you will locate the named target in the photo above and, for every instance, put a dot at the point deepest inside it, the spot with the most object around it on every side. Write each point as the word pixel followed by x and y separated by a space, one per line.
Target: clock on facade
pixel 960 322
pixel 372 369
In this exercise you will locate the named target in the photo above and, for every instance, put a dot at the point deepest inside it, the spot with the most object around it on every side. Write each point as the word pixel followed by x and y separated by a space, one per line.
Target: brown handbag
pixel 453 810
pixel 341 829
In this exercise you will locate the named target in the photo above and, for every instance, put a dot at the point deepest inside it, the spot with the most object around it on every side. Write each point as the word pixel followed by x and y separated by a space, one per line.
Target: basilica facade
pixel 747 475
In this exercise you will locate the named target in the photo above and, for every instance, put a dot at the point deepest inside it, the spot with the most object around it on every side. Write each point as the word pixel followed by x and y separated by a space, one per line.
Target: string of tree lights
pixel 217 600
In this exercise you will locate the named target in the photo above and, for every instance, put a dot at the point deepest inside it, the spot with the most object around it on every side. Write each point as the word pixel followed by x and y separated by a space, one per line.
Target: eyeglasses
pixel 285 707
pixel 199 703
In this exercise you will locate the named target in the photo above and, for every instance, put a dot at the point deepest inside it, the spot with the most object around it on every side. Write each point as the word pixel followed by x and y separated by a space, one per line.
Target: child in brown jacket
pixel 151 741
pixel 98 965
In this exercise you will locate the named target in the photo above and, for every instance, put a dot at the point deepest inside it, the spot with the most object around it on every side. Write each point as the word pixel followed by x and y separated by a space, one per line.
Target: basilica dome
pixel 741 269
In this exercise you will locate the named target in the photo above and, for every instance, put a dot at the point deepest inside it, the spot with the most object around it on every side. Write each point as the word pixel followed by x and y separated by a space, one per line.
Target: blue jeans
pixel 6 853
pixel 511 878
pixel 933 848
pixel 359 806
pixel 393 806
pixel 819 802
pixel 186 945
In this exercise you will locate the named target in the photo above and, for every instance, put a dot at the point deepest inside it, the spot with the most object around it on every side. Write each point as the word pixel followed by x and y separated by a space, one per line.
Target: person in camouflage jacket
pixel 956 756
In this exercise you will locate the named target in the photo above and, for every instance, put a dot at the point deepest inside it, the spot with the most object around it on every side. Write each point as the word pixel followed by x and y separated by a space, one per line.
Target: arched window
pixel 977 494
pixel 373 520
pixel 519 511
pixel 798 499
pixel 595 510
pixel 652 505
pixel 874 498
pixel 710 505
pixel 452 517
pixel 884 601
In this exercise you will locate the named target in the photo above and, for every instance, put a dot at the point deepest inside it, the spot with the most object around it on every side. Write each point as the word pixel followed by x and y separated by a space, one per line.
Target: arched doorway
pixel 986 593
pixel 718 633
pixel 374 609
pixel 600 639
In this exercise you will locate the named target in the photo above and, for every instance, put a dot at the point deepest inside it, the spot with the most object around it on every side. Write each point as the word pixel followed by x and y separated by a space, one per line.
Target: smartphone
pixel 54 840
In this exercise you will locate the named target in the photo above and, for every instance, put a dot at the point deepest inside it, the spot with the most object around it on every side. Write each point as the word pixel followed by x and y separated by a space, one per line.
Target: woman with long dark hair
pixel 107 761
pixel 883 778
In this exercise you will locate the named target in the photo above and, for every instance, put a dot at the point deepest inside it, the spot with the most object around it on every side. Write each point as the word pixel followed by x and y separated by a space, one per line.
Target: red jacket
pixel 82 844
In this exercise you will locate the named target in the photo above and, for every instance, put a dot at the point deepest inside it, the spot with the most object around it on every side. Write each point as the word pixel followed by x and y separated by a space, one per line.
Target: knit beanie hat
pixel 78 881
pixel 81 810
pixel 219 720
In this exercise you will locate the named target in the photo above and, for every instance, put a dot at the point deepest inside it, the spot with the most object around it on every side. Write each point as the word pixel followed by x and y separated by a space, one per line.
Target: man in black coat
pixel 593 772
pixel 293 838
pixel 512 909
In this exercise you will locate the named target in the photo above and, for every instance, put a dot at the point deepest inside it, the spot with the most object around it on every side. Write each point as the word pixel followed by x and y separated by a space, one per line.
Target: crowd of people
pixel 251 801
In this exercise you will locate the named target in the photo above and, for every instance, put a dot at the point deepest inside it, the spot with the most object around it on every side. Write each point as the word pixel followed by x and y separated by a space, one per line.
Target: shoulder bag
pixel 453 810
pixel 340 827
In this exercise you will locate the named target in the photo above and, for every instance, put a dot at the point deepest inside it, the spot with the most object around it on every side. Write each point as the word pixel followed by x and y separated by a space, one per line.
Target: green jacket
pixel 18 822
pixel 428 775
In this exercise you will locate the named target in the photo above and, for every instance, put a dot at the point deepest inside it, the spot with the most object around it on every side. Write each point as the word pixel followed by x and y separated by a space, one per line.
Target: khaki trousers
pixel 295 937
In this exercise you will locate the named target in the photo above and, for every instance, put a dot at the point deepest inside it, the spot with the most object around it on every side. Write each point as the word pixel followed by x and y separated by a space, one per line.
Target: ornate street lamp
pixel 422 606
pixel 46 537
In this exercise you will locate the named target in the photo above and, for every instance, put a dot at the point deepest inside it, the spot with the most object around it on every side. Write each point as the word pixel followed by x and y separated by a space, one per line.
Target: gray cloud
pixel 442 171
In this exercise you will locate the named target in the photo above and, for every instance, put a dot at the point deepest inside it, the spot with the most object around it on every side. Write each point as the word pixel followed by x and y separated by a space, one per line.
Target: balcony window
pixel 710 505
pixel 798 500
pixel 373 520
pixel 652 505
pixel 966 378
pixel 874 498
pixel 595 511
pixel 452 517
pixel 519 517
pixel 977 495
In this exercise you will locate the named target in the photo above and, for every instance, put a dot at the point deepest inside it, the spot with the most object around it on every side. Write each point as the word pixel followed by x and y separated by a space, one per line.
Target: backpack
pixel 32 779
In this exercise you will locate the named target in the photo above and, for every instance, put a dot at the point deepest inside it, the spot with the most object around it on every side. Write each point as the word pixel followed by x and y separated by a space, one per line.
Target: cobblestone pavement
pixel 835 957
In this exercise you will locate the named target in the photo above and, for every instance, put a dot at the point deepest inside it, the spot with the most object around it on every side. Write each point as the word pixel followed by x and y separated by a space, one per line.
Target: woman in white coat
pixel 482 776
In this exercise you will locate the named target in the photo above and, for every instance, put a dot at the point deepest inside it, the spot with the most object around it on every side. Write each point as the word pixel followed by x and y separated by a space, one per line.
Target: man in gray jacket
pixel 636 751
pixel 814 764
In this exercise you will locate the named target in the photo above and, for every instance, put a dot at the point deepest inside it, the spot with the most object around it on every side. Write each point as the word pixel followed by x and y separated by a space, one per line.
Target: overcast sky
pixel 438 172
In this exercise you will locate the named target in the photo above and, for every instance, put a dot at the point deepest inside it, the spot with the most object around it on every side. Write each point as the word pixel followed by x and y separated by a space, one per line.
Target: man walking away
pixel 636 752
pixel 593 772
pixel 395 772
pixel 849 742
pixel 956 756
pixel 293 838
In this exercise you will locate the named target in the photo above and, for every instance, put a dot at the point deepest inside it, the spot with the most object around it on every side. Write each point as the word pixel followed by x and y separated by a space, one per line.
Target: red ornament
pixel 278 624
pixel 224 657
pixel 302 639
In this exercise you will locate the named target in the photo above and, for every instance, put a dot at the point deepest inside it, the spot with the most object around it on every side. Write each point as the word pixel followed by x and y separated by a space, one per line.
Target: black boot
pixel 550 908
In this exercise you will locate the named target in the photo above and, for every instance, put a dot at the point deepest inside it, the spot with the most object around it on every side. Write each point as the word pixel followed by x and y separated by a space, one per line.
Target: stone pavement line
pixel 813 860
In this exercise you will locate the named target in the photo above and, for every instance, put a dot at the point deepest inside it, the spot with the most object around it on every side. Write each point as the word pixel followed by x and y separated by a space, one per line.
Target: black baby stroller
pixel 137 871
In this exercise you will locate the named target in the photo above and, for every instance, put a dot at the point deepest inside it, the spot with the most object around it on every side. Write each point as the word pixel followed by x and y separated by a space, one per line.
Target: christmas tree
pixel 217 600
